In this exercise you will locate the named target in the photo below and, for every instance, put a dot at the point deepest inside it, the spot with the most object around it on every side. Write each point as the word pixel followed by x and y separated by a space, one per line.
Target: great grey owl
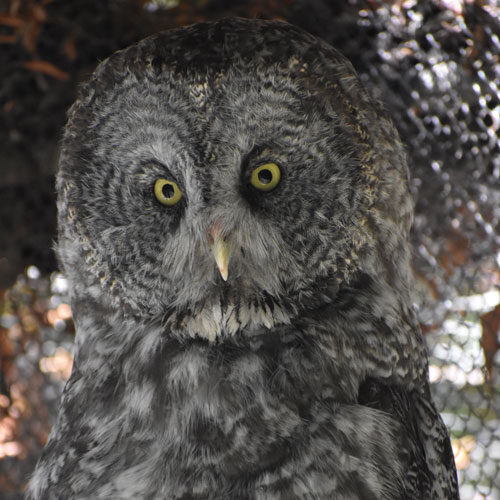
pixel 234 213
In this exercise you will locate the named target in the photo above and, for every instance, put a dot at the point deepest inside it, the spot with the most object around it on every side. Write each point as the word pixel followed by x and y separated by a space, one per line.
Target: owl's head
pixel 229 175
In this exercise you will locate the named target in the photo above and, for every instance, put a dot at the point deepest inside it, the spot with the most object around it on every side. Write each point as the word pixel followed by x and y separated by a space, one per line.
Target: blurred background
pixel 436 65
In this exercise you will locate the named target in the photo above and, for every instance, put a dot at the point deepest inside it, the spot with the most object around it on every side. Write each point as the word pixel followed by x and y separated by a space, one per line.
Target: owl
pixel 234 212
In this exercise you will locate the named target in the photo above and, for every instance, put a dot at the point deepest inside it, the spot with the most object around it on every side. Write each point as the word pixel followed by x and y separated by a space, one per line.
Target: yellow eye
pixel 266 177
pixel 167 192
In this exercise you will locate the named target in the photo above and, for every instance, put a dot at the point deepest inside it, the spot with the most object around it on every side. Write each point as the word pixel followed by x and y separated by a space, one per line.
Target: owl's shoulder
pixel 427 453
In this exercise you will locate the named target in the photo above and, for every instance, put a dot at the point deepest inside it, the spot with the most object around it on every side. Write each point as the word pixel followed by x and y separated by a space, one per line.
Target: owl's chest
pixel 241 426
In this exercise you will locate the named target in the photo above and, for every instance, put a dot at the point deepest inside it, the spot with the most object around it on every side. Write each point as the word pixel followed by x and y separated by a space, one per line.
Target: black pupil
pixel 168 190
pixel 265 176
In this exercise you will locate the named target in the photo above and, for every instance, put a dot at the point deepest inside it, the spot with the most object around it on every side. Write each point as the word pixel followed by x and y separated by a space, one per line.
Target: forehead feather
pixel 208 51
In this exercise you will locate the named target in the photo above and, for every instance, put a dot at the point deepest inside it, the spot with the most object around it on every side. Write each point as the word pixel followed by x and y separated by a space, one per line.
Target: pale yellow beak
pixel 220 251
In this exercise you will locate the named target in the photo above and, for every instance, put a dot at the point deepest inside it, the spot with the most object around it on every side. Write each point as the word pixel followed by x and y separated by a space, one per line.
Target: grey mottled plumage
pixel 304 375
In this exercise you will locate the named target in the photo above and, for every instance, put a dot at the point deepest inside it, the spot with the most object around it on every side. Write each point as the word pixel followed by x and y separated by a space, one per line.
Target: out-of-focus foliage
pixel 36 339
pixel 436 65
